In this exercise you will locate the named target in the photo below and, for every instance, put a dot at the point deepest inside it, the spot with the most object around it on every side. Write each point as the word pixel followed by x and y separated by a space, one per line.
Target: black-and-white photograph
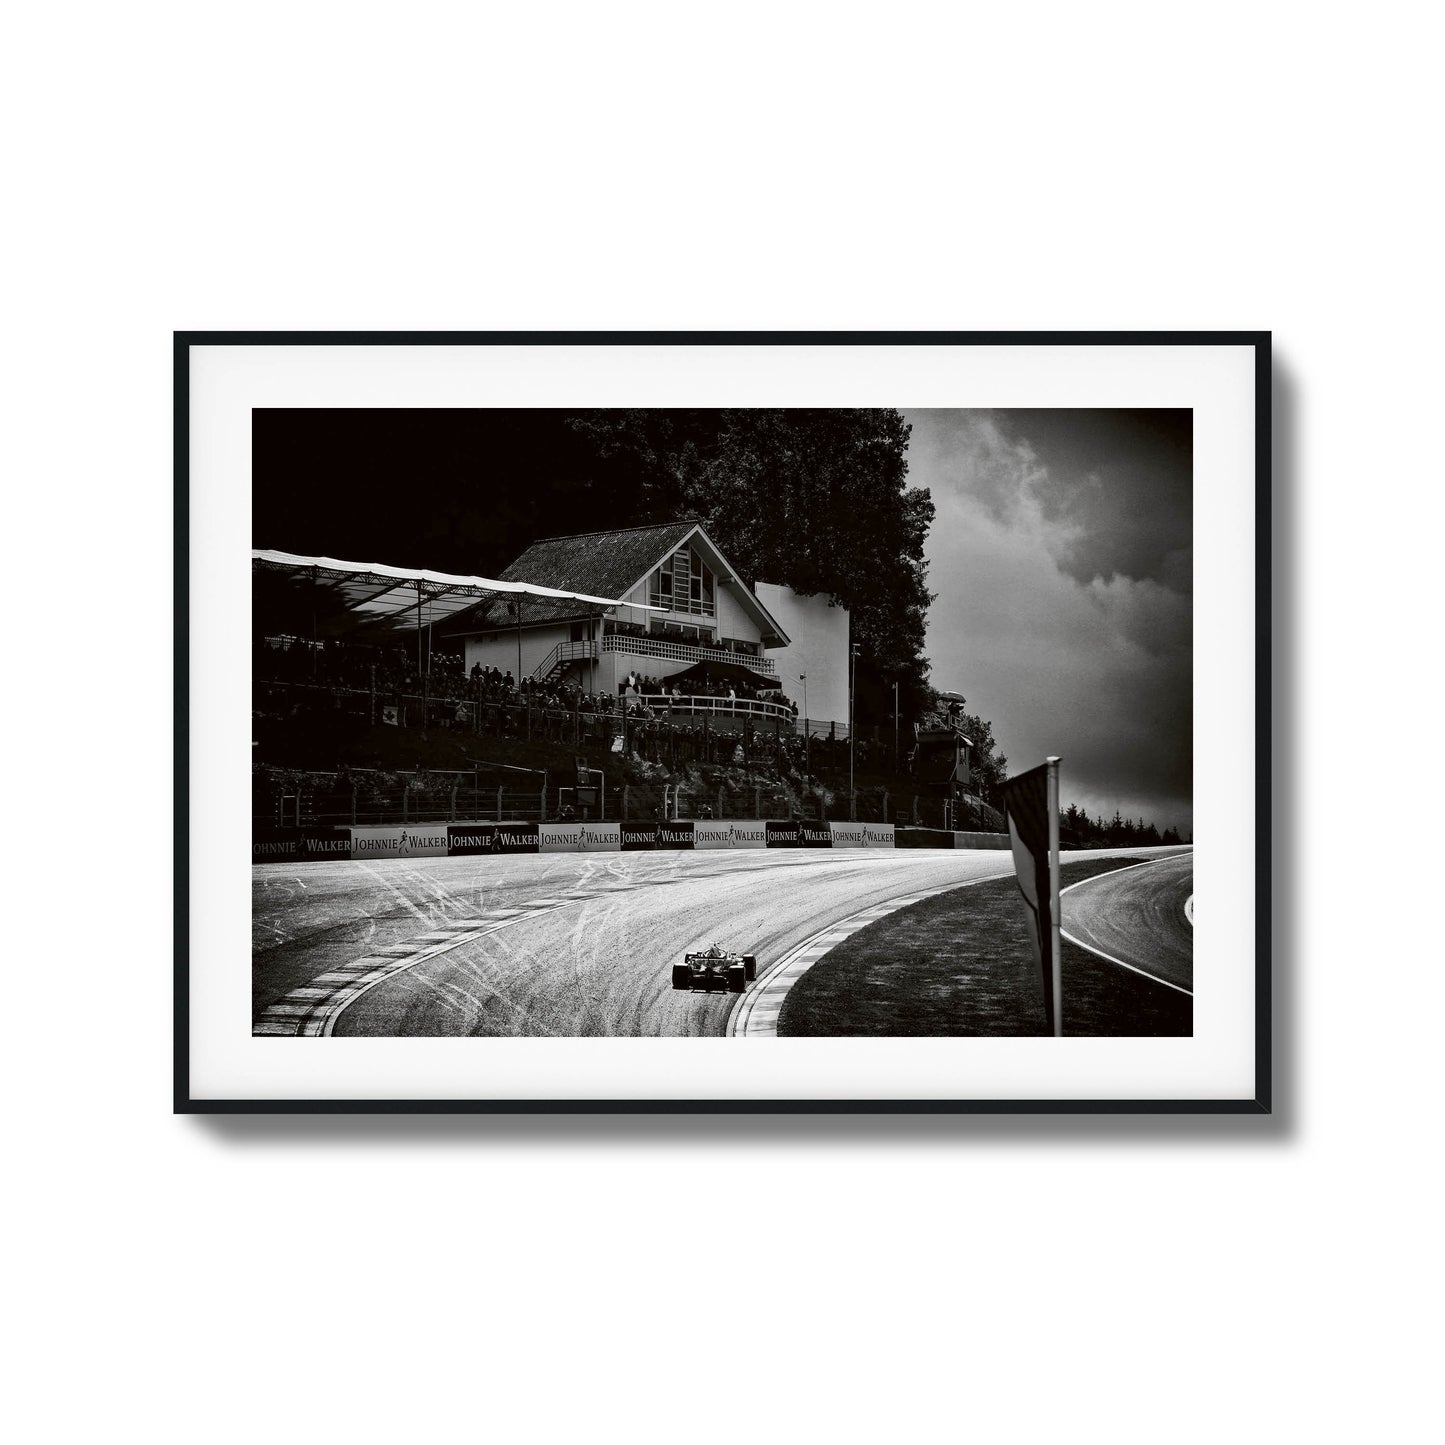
pixel 730 722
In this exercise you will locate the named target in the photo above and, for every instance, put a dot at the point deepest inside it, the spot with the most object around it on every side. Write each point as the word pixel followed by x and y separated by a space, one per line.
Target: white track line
pixel 1109 957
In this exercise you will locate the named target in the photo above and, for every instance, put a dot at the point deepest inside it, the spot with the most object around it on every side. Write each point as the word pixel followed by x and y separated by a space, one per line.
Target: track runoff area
pixel 577 943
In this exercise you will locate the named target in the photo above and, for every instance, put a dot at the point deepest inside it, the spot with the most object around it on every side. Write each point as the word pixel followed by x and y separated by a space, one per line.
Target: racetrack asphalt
pixel 1136 917
pixel 564 945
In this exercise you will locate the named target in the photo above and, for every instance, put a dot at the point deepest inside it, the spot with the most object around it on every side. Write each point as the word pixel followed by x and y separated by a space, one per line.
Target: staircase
pixel 560 656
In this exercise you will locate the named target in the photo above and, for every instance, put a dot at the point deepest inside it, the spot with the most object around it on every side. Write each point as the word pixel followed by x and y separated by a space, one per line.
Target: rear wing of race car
pixel 704 973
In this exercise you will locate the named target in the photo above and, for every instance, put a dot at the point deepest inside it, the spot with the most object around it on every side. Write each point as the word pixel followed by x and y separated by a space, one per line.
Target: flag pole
pixel 1054 941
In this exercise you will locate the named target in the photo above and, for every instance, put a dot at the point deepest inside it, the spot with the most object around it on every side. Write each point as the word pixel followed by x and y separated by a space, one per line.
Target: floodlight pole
pixel 807 727
pixel 852 687
pixel 895 726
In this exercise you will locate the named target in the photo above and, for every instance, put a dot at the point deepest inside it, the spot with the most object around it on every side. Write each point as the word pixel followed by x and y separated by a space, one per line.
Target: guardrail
pixel 476 837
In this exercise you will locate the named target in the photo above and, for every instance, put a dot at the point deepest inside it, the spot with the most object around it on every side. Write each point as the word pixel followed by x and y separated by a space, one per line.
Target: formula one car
pixel 715 970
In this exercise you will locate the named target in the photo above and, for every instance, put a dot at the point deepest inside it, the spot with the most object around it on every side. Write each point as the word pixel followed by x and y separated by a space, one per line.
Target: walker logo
pixel 274 847
pixel 708 834
pixel 402 842
pixel 579 838
pixel 324 843
pixel 639 837
pixel 862 835
pixel 474 838
pixel 674 834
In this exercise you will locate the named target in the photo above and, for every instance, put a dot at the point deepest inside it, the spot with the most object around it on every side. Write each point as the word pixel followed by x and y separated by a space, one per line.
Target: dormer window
pixel 684 584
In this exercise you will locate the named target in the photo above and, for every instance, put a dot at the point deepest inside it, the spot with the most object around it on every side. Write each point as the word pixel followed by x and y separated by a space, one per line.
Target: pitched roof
pixel 610 564
pixel 617 559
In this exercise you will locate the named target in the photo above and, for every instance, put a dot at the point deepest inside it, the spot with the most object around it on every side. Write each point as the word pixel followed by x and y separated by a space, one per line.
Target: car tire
pixel 737 978
pixel 681 975
pixel 750 966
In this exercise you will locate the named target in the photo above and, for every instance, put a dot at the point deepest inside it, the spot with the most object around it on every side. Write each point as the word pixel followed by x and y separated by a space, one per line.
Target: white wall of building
pixel 501 651
pixel 733 619
pixel 819 647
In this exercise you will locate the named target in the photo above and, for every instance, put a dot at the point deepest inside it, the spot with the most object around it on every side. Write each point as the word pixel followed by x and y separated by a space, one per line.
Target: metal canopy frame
pixel 377 592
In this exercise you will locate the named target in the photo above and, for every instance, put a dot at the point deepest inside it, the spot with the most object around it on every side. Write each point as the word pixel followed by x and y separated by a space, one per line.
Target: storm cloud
pixel 1062 557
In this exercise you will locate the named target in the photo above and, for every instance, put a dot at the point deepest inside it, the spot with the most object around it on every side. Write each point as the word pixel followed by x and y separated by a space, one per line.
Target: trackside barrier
pixel 937 838
pixel 712 833
pixel 439 840
pixel 467 839
pixel 862 835
pixel 423 840
pixel 800 833
pixel 665 834
pixel 300 845
pixel 579 838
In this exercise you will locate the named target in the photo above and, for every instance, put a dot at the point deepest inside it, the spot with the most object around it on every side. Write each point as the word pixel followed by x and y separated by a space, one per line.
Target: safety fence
pixel 361 797
pixel 594 719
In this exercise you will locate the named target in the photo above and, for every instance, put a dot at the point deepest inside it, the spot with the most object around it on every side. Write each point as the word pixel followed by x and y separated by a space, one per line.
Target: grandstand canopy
pixel 347 596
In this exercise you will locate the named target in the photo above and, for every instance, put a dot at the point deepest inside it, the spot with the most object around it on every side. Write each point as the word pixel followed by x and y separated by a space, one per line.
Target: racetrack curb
pixel 755 1015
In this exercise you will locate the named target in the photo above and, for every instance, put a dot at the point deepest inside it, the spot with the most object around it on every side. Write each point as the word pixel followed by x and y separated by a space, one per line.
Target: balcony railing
pixel 706 704
pixel 687 652
pixel 630 646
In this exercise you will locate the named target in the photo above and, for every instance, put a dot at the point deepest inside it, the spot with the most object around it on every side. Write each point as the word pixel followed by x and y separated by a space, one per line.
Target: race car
pixel 715 970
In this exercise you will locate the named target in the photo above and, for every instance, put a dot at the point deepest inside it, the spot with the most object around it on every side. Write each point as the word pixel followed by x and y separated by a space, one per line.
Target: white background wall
pixel 994 1280
pixel 818 645
pixel 501 652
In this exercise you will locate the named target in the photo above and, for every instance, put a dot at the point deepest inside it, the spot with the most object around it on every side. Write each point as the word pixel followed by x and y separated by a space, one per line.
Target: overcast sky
pixel 1062 557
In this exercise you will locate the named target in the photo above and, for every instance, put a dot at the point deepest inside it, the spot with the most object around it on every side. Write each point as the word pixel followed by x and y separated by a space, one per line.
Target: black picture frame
pixel 185 1101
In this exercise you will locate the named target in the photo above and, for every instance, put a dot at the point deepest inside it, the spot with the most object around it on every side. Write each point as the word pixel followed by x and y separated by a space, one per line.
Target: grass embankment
pixel 961 964
pixel 323 744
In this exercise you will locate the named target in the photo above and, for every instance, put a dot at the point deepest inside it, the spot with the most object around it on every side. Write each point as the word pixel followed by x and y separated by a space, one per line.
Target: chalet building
pixel 707 623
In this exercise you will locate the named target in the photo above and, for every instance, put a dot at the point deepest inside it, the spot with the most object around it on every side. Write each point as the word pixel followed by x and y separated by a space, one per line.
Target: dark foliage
pixel 816 500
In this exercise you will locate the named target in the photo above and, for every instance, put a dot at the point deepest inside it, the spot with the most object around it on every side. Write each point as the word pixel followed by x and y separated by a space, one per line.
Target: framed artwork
pixel 722 722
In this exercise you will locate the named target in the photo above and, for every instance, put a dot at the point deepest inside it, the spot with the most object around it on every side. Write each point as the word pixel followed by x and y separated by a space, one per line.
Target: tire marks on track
pixel 311 1010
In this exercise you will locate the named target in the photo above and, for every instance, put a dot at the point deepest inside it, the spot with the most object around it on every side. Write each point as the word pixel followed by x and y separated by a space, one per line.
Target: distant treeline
pixel 1117 832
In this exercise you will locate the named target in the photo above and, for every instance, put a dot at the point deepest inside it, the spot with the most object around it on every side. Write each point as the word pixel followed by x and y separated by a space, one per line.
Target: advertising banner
pixel 420 840
pixel 799 833
pixel 721 834
pixel 276 845
pixel 465 839
pixel 674 834
pixel 579 837
pixel 318 844
pixel 862 835
pixel 639 837
pixel 300 845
